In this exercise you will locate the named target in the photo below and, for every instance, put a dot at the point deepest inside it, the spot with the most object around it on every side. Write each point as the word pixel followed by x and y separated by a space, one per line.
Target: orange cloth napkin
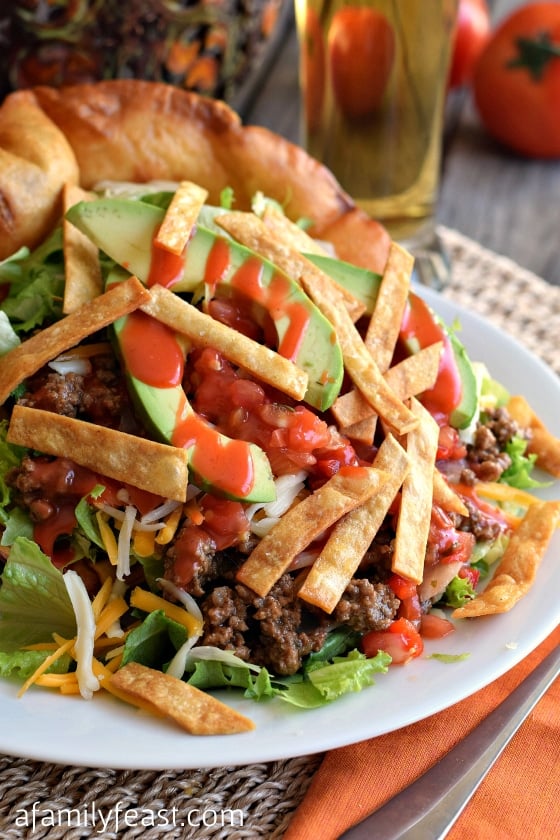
pixel 518 800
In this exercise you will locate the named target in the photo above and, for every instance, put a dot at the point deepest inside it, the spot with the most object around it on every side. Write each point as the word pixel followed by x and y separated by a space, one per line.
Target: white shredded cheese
pixel 77 365
pixel 177 666
pixel 118 590
pixel 160 512
pixel 185 598
pixel 125 536
pixel 85 636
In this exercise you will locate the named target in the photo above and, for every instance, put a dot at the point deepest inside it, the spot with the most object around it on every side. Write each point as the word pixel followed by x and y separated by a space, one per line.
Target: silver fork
pixel 428 808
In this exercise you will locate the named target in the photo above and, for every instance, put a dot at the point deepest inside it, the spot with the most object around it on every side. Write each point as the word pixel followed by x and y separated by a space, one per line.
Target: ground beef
pixel 483 527
pixel 279 630
pixel 486 458
pixel 53 392
pixel 366 606
pixel 100 396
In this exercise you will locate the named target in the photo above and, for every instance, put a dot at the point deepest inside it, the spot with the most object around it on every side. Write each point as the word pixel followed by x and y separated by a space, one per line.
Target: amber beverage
pixel 374 78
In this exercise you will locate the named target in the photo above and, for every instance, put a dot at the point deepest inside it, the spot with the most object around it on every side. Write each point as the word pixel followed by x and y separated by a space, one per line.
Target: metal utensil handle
pixel 427 809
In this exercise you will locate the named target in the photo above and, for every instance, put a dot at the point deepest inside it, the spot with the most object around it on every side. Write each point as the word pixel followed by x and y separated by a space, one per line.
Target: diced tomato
pixel 411 609
pixel 471 574
pixel 446 544
pixel 450 445
pixel 435 627
pixel 233 315
pixel 293 437
pixel 224 520
pixel 402 587
pixel 401 641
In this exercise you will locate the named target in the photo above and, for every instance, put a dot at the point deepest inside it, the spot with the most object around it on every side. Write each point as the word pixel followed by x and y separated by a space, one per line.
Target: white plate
pixel 105 733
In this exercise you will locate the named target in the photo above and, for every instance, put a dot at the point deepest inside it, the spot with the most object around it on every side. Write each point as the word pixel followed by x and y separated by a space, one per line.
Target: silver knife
pixel 428 808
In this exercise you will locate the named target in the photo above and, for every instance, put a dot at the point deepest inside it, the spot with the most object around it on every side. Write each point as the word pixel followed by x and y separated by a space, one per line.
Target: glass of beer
pixel 373 82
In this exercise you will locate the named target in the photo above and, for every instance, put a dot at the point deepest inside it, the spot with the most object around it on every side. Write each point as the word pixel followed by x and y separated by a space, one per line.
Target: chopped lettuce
pixel 10 456
pixel 20 664
pixel 458 592
pixel 8 336
pixel 34 602
pixel 448 658
pixel 36 285
pixel 317 686
pixel 154 642
pixel 518 474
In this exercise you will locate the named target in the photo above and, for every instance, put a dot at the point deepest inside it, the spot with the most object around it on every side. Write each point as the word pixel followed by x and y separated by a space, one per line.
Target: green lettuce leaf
pixel 36 285
pixel 8 336
pixel 154 642
pixel 17 523
pixel 34 602
pixel 10 456
pixel 458 592
pixel 22 663
pixel 518 474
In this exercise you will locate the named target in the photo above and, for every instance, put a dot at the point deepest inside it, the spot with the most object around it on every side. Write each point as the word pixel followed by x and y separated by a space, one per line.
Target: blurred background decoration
pixel 220 48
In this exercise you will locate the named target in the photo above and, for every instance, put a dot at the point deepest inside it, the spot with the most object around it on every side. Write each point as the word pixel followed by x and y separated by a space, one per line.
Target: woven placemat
pixel 66 803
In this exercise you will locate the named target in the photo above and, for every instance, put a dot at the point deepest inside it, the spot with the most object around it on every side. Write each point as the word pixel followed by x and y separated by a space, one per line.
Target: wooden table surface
pixel 506 203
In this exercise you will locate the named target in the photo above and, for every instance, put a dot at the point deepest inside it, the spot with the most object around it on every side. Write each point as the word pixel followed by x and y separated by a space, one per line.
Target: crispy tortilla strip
pixel 252 232
pixel 205 331
pixel 408 378
pixel 28 357
pixel 195 711
pixel 385 323
pixel 180 217
pixel 352 535
pixel 416 499
pixel 543 444
pixel 518 567
pixel 304 522
pixel 82 270
pixel 151 466
pixel 283 228
pixel 358 362
pixel 446 497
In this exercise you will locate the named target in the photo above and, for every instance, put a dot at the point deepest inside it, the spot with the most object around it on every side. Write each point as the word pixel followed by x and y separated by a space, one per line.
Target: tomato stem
pixel 535 54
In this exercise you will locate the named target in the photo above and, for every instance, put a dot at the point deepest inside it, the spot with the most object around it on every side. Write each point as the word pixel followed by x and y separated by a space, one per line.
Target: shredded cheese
pixel 66 646
pixel 144 543
pixel 111 613
pixel 107 536
pixel 124 542
pixel 149 602
pixel 85 622
pixel 167 533
pixel 505 493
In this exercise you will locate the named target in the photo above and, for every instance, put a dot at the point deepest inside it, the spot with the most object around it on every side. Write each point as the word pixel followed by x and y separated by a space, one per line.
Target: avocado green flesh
pixel 124 230
pixel 160 409
pixel 363 284
pixel 462 415
pixel 318 354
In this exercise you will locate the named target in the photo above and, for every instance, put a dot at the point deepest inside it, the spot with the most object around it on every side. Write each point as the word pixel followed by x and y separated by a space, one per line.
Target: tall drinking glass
pixel 373 80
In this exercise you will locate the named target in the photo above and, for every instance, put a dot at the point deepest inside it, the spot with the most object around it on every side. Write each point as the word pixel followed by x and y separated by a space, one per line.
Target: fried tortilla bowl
pixel 129 130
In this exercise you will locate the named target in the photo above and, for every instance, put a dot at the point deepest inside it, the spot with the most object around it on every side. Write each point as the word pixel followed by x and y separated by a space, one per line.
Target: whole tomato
pixel 516 82
pixel 361 47
pixel 471 34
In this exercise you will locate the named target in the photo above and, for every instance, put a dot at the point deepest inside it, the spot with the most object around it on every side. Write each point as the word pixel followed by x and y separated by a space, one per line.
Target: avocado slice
pixel 236 469
pixel 427 328
pixel 125 229
pixel 361 282
pixel 463 414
